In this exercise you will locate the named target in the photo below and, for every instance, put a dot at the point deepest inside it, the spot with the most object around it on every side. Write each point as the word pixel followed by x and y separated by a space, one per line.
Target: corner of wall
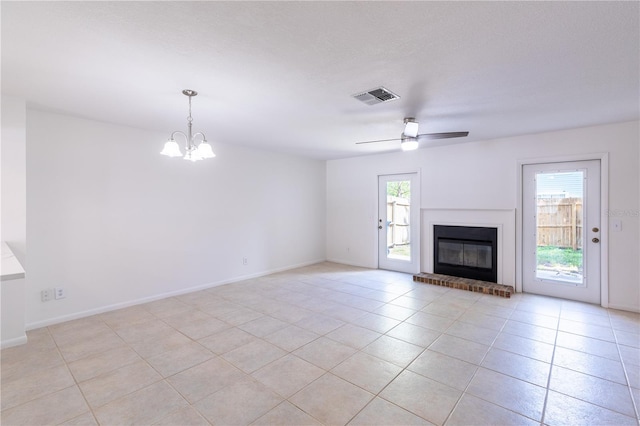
pixel 13 176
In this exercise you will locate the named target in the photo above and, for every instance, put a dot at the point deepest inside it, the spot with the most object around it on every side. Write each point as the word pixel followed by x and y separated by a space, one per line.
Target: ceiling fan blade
pixel 445 135
pixel 380 140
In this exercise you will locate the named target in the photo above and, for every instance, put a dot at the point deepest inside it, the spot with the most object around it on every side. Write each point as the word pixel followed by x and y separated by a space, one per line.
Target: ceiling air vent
pixel 376 96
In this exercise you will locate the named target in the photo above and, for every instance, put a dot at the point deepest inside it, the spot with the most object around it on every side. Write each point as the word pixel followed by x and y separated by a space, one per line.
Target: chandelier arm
pixel 178 132
pixel 204 138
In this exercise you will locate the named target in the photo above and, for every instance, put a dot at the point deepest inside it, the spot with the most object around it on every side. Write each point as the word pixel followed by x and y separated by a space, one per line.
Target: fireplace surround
pixel 503 219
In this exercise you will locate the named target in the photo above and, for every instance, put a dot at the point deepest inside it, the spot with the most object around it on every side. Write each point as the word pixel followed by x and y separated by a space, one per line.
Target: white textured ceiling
pixel 280 75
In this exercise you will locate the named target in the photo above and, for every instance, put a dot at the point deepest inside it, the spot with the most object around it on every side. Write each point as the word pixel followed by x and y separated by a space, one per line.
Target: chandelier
pixel 193 152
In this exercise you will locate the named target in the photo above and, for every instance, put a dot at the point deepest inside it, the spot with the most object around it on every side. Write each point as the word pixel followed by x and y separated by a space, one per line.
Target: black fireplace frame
pixel 467 234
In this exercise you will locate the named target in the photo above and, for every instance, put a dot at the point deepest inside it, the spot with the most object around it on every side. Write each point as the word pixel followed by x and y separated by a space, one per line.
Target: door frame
pixel 603 157
pixel 415 200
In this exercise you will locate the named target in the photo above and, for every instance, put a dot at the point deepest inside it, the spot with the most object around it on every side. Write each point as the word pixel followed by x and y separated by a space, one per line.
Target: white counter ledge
pixel 12 329
pixel 11 268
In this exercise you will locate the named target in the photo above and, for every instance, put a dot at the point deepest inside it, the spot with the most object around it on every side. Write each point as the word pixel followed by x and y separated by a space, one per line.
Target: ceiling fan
pixel 409 137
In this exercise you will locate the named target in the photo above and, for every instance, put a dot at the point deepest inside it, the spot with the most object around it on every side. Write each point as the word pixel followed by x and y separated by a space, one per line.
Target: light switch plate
pixel 616 224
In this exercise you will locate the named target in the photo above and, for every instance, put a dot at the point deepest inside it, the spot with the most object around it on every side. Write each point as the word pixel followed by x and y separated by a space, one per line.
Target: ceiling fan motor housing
pixel 410 127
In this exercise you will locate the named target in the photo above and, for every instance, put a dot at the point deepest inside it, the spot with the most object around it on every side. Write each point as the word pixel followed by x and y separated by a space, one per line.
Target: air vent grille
pixel 376 96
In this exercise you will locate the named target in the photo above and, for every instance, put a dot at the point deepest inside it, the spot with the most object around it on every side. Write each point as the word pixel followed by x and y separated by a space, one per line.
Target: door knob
pixel 595 240
pixel 595 229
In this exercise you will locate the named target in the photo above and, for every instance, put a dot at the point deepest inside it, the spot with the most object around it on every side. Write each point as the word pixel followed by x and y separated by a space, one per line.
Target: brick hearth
pixel 465 284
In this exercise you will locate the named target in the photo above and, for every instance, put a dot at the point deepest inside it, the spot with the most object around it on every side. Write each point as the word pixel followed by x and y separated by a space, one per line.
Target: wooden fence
pixel 398 221
pixel 560 222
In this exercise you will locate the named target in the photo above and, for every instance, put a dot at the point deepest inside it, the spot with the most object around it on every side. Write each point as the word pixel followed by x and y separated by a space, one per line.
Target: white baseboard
pixel 121 305
pixel 624 308
pixel 13 342
pixel 350 263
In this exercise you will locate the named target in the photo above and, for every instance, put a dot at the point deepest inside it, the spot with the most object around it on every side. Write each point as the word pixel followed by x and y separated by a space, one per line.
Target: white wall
pixel 484 175
pixel 114 222
pixel 13 177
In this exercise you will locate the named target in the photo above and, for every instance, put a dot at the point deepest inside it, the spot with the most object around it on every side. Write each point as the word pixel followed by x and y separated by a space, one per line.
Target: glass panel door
pixel 398 223
pixel 561 230
pixel 399 220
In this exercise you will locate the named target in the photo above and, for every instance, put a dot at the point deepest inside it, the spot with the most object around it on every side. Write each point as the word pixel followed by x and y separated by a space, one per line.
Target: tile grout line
pixel 474 373
pixel 142 358
pixel 553 354
pixel 377 395
pixel 624 370
pixel 590 374
pixel 478 366
pixel 77 384
pixel 443 332
pixel 406 368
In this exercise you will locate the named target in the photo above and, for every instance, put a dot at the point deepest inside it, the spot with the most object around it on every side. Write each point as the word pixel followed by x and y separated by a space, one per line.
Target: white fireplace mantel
pixel 504 220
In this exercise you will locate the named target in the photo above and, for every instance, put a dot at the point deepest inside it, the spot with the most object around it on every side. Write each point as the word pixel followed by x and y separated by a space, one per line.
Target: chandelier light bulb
pixel 171 149
pixel 205 150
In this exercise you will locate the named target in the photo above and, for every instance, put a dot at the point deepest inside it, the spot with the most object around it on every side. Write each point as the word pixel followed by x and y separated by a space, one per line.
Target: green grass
pixel 551 257
pixel 400 251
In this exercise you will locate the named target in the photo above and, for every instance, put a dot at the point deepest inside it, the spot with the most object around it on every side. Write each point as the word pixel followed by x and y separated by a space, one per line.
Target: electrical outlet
pixel 46 294
pixel 245 261
pixel 59 293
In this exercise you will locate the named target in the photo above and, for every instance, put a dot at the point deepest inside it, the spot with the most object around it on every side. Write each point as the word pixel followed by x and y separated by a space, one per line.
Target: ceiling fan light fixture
pixel 410 128
pixel 409 144
pixel 409 137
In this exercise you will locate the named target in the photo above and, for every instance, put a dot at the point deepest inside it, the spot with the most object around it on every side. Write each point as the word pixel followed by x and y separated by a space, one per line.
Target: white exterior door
pixel 561 230
pixel 398 223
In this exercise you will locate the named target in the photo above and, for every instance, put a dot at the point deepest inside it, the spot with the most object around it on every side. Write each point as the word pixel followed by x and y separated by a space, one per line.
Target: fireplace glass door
pixel 466 252
pixel 471 254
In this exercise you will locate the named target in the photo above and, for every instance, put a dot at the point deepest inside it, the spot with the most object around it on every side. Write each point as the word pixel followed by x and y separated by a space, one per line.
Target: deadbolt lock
pixel 595 240
pixel 595 229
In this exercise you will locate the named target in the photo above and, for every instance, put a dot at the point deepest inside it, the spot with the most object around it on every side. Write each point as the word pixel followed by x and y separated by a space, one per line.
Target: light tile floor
pixel 331 344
